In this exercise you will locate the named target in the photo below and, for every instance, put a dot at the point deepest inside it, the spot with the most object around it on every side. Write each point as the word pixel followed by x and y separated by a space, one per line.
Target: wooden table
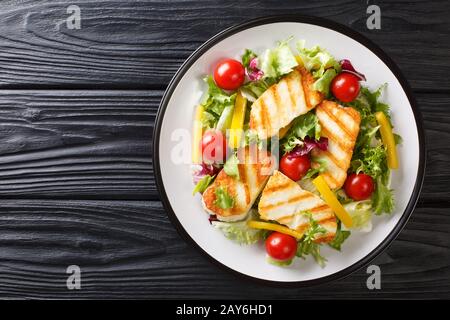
pixel 77 109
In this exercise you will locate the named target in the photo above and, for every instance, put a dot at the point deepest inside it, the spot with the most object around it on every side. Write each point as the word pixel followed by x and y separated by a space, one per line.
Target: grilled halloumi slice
pixel 255 168
pixel 281 103
pixel 341 126
pixel 284 201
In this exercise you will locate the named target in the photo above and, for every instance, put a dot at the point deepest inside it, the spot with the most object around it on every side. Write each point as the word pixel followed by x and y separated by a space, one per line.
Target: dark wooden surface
pixel 77 109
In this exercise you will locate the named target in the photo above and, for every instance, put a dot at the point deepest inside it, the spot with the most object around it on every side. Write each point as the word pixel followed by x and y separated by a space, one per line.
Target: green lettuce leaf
pixel 313 172
pixel 279 263
pixel 304 125
pixel 223 199
pixel 382 198
pixel 361 213
pixel 247 56
pixel 214 103
pixel 339 238
pixel 239 231
pixel 203 184
pixel 278 61
pixel 231 166
pixel 321 64
pixel 307 246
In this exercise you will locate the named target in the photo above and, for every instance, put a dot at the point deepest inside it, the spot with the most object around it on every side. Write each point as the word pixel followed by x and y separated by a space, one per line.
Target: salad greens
pixel 203 184
pixel 231 166
pixel 369 154
pixel 321 64
pixel 339 238
pixel 214 103
pixel 223 199
pixel 239 231
pixel 307 246
pixel 278 61
pixel 306 125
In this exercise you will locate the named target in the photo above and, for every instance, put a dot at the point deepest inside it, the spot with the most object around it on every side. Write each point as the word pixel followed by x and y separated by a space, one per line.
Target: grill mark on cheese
pixel 304 86
pixel 333 138
pixel 293 103
pixel 277 188
pixel 338 122
pixel 263 114
pixel 338 163
pixel 290 200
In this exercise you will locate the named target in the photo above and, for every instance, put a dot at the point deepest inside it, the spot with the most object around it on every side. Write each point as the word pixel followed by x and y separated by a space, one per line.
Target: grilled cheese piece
pixel 341 126
pixel 284 201
pixel 255 168
pixel 281 103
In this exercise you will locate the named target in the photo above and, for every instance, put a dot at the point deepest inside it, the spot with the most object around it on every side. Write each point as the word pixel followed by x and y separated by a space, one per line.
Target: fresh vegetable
pixel 197 134
pixel 310 144
pixel 383 199
pixel 359 186
pixel 224 122
pixel 278 61
pixel 231 166
pixel 388 140
pixel 250 62
pixel 223 199
pixel 361 213
pixel 239 231
pixel 306 125
pixel 369 154
pixel 295 167
pixel 237 122
pixel 213 146
pixel 203 184
pixel 214 103
pixel 339 238
pixel 345 87
pixel 281 247
pixel 347 66
pixel 307 246
pixel 330 198
pixel 321 64
pixel 229 74
pixel 274 227
pixel 199 171
pixel 319 167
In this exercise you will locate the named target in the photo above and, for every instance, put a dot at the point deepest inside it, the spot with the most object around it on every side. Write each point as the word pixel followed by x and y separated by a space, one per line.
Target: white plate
pixel 176 115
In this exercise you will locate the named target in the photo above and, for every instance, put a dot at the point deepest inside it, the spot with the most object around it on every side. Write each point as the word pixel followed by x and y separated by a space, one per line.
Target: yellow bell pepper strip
pixel 284 130
pixel 388 140
pixel 299 61
pixel 237 122
pixel 197 135
pixel 274 227
pixel 332 201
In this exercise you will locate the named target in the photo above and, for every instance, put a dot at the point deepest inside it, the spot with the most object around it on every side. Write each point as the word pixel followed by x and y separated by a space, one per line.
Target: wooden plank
pixel 124 44
pixel 97 144
pixel 130 250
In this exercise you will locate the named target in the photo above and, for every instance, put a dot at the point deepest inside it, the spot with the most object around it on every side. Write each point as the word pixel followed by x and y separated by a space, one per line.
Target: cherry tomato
pixel 295 167
pixel 229 74
pixel 281 246
pixel 213 146
pixel 345 86
pixel 359 186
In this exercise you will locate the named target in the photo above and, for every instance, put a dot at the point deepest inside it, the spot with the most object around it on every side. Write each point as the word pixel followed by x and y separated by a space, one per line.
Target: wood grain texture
pixel 130 250
pixel 131 44
pixel 97 144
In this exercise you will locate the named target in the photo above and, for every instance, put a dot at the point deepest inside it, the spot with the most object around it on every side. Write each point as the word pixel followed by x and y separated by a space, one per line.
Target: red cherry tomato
pixel 359 186
pixel 345 86
pixel 280 246
pixel 229 74
pixel 295 167
pixel 213 146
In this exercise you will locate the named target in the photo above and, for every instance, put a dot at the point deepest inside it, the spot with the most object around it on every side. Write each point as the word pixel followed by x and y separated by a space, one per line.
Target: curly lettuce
pixel 322 65
pixel 214 103
pixel 278 61
pixel 239 231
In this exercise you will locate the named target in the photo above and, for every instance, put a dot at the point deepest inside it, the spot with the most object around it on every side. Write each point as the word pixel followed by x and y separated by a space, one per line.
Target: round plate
pixel 175 118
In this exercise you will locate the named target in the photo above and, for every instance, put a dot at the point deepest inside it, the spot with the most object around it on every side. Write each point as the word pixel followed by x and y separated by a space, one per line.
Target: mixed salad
pixel 334 136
